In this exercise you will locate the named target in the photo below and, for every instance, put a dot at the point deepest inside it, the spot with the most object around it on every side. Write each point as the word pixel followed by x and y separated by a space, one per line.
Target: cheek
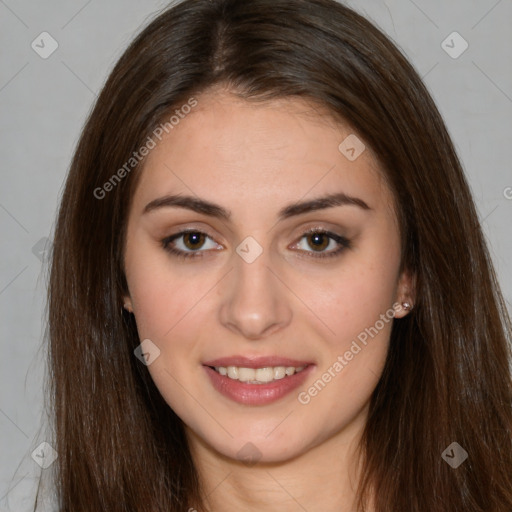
pixel 358 311
pixel 356 305
pixel 162 298
pixel 353 298
pixel 170 312
pixel 162 304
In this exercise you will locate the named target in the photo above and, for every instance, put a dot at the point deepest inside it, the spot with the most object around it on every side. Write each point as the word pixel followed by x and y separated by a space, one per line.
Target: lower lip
pixel 256 394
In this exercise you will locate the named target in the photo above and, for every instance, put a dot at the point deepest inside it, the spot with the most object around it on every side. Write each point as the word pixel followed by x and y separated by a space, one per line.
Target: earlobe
pixel 128 304
pixel 407 306
pixel 406 294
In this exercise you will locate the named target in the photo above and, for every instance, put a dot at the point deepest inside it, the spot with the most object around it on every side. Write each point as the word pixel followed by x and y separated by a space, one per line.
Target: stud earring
pixel 408 306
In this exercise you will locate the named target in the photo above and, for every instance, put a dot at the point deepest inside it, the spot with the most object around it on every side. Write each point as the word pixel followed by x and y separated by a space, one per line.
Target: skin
pixel 254 159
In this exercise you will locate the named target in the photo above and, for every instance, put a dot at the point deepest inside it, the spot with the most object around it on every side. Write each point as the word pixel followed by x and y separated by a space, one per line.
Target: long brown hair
pixel 447 377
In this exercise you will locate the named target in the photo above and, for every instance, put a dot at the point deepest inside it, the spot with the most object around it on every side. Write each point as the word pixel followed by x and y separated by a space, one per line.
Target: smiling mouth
pixel 262 375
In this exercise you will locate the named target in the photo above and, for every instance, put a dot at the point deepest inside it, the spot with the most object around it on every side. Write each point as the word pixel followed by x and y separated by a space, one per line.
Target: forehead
pixel 246 154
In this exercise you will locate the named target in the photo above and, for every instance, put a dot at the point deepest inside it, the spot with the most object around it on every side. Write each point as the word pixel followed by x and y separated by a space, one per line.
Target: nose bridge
pixel 254 302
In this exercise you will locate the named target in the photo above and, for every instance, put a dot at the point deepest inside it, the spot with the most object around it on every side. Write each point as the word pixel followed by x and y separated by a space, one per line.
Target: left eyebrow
pixel 321 203
pixel 208 208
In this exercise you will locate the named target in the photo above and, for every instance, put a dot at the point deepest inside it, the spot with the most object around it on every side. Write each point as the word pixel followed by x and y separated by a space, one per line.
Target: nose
pixel 254 301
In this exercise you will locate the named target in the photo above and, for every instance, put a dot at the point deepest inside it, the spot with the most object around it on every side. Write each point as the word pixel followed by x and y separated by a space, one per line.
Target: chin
pixel 251 447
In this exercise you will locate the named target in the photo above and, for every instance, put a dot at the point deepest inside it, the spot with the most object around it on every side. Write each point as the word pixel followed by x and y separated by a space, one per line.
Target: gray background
pixel 44 103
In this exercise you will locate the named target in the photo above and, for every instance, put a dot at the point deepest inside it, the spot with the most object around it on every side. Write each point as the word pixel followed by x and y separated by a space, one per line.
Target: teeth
pixel 258 375
pixel 232 372
pixel 279 372
pixel 265 374
pixel 246 374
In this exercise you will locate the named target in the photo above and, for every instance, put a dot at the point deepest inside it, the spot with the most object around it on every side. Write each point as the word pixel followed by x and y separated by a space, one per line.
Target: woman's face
pixel 251 291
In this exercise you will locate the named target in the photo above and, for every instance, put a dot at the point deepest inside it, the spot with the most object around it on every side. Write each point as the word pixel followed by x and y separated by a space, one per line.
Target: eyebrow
pixel 199 205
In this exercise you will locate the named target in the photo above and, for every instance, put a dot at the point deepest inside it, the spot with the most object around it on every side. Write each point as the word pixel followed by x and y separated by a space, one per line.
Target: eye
pixel 193 240
pixel 320 240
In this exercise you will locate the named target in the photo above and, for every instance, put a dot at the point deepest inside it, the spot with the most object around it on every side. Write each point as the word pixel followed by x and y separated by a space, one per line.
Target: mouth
pixel 257 381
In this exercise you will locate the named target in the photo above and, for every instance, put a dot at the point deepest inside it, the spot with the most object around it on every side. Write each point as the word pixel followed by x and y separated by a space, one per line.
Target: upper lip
pixel 256 362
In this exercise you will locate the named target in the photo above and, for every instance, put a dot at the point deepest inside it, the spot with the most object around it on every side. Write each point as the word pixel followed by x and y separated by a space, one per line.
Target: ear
pixel 406 293
pixel 127 303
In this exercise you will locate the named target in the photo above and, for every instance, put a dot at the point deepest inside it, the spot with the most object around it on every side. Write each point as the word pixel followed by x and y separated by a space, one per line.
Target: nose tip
pixel 253 301
pixel 255 327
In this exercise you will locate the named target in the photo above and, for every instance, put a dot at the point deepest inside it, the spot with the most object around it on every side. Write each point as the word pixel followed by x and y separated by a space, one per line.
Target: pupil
pixel 318 238
pixel 193 239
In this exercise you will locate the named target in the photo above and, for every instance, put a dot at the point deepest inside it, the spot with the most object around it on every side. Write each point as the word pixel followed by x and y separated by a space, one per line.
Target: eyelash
pixel 341 240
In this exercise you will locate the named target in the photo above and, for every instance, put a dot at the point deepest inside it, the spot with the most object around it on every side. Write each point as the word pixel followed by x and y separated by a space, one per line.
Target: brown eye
pixel 315 242
pixel 193 240
pixel 189 244
pixel 319 241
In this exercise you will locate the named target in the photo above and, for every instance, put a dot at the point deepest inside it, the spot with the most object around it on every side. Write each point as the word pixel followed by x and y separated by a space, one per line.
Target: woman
pixel 269 286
